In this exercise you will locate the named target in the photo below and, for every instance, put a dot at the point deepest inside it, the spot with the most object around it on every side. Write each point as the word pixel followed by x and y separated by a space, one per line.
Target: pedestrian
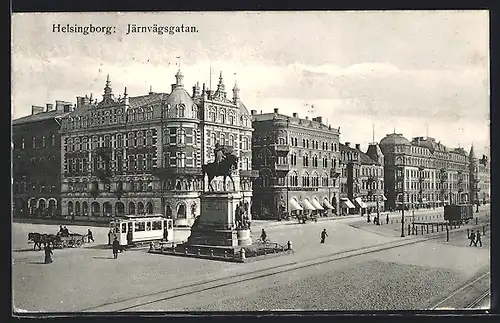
pixel 165 233
pixel 48 254
pixel 472 238
pixel 129 237
pixel 110 237
pixel 263 236
pixel 387 218
pixel 323 236
pixel 368 218
pixel 66 231
pixel 478 239
pixel 116 246
pixel 90 236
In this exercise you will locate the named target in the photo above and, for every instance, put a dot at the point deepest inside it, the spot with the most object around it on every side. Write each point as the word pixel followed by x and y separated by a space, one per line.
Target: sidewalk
pixel 275 223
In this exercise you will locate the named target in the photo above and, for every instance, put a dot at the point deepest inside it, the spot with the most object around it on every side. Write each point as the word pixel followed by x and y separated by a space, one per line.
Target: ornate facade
pixel 36 161
pixel 426 172
pixel 136 155
pixel 299 164
pixel 362 180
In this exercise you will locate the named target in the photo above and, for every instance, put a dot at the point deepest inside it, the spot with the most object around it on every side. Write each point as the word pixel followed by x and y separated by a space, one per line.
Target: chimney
pixel 348 144
pixel 36 109
pixel 173 87
pixel 358 146
pixel 253 112
pixel 276 111
pixel 318 119
pixel 50 107
pixel 295 115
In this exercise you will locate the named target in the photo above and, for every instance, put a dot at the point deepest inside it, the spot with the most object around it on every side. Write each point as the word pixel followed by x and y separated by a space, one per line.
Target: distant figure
pixel 387 218
pixel 263 235
pixel 165 232
pixel 90 236
pixel 368 218
pixel 110 237
pixel 129 237
pixel 478 239
pixel 472 238
pixel 66 232
pixel 48 254
pixel 61 231
pixel 116 246
pixel 323 236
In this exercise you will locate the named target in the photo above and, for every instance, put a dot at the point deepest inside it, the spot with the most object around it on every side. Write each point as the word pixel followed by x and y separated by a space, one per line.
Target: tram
pixel 143 228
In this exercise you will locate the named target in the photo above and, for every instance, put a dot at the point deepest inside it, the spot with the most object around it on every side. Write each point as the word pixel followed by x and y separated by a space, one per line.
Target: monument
pixel 222 230
pixel 222 223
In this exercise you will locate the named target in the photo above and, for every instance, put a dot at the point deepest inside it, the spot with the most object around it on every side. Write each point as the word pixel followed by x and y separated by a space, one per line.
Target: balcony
pixel 102 174
pixel 174 170
pixel 335 172
pixel 250 173
pixel 282 148
pixel 282 168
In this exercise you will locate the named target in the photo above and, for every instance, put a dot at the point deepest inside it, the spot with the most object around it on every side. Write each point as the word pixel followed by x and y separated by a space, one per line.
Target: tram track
pixel 131 303
pixel 461 298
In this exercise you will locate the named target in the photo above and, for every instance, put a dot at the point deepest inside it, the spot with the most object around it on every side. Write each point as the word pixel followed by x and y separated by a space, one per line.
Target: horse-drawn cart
pixel 71 241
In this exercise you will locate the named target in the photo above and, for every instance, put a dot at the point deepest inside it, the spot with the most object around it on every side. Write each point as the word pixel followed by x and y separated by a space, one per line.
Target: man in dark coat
pixel 48 254
pixel 323 236
pixel 116 246
pixel 472 238
pixel 90 236
pixel 387 218
pixel 478 239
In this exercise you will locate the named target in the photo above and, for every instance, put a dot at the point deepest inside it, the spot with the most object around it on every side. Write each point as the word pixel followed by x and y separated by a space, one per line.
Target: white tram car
pixel 145 227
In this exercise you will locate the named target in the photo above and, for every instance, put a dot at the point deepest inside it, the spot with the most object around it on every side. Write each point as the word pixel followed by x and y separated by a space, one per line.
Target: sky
pixel 417 73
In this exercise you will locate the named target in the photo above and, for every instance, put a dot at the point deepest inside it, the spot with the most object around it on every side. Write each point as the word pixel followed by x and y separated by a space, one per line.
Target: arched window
pixel 231 118
pixel 70 208
pixel 222 116
pixel 149 138
pixel 245 143
pixel 222 139
pixel 194 111
pixel 181 211
pixel 140 208
pixel 140 139
pixel 213 139
pixel 181 110
pixel 22 143
pixel 131 208
pixel 131 139
pixel 43 142
pixel 231 141
pixel 119 141
pixel 34 142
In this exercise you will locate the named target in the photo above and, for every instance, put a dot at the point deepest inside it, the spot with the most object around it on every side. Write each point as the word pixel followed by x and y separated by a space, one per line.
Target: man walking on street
pixel 116 246
pixel 472 238
pixel 323 236
pixel 90 236
pixel 387 218
pixel 478 239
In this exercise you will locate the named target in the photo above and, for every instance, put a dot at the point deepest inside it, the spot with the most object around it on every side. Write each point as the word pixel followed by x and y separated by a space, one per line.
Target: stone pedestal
pixel 216 225
pixel 244 237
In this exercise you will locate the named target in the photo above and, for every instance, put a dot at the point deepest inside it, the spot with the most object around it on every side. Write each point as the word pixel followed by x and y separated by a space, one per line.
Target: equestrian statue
pixel 225 163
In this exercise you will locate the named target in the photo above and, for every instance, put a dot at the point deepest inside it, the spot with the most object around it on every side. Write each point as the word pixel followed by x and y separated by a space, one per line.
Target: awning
pixel 327 204
pixel 384 198
pixel 295 206
pixel 346 203
pixel 307 205
pixel 316 204
pixel 360 202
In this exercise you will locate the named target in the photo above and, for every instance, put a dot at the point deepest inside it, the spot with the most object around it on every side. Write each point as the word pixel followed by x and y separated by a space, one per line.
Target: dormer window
pixel 181 110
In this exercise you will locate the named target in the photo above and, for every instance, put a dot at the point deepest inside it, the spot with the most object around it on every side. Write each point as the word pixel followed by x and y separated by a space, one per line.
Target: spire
pixel 472 155
pixel 373 133
pixel 126 99
pixel 221 86
pixel 236 91
pixel 125 92
pixel 150 89
pixel 178 78
pixel 108 92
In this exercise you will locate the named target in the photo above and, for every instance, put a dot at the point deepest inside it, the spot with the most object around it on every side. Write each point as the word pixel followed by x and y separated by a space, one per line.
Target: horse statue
pixel 225 169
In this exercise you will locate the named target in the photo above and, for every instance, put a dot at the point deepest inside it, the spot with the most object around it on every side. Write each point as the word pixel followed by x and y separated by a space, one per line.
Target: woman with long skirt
pixel 48 254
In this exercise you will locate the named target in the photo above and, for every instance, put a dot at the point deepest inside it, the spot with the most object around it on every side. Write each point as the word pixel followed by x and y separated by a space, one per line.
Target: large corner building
pixel 143 154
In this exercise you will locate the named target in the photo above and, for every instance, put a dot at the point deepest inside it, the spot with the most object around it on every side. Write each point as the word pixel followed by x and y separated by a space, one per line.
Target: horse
pixel 43 238
pixel 37 239
pixel 225 169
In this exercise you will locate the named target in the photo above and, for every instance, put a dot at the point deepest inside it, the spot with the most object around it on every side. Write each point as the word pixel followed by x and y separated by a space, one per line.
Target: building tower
pixel 473 176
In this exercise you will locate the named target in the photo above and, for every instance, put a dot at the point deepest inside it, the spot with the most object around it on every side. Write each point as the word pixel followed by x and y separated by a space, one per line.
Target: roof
pixel 243 109
pixel 148 99
pixel 394 139
pixel 40 117
pixel 180 95
pixel 366 160
pixel 347 148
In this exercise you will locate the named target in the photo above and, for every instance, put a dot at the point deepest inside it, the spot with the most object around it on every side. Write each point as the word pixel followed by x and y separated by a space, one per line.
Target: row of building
pixel 98 159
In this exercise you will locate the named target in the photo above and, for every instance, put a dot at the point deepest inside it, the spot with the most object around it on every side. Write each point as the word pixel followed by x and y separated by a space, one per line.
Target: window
pixel 148 226
pixel 149 138
pixel 124 228
pixel 156 225
pixel 245 143
pixel 34 142
pixel 223 116
pixel 182 110
pixel 43 142
pixel 140 226
pixel 181 136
